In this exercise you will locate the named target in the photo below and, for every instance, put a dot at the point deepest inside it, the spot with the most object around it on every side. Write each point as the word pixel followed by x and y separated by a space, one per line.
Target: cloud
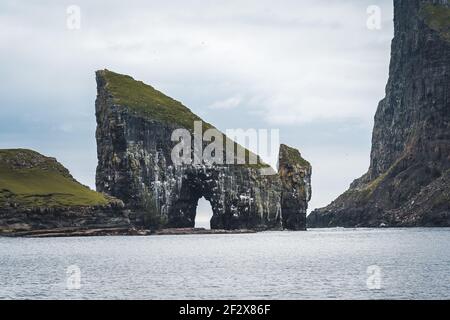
pixel 229 103
pixel 242 64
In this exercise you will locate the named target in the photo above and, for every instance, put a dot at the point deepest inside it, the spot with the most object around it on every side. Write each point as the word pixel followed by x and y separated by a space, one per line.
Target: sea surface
pixel 317 264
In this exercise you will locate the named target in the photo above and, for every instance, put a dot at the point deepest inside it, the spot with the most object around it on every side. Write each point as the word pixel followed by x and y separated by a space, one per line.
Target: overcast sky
pixel 312 69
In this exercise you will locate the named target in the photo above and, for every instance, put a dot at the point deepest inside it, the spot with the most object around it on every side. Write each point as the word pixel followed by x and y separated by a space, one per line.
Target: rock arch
pixel 134 127
pixel 203 214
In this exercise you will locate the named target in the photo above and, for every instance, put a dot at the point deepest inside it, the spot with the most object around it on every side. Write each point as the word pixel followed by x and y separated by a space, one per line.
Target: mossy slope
pixel 147 101
pixel 29 179
pixel 293 156
pixel 152 104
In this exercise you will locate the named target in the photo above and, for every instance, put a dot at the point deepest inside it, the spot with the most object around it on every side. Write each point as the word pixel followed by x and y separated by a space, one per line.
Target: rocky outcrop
pixel 407 183
pixel 37 192
pixel 135 123
pixel 15 219
pixel 295 175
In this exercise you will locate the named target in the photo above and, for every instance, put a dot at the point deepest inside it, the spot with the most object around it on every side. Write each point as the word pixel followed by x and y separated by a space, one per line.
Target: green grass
pixel 153 104
pixel 437 17
pixel 147 101
pixel 40 181
pixel 366 192
pixel 24 158
pixel 294 156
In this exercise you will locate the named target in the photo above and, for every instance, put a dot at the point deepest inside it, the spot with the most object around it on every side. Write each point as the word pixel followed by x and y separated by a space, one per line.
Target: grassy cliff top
pixel 292 156
pixel 30 179
pixel 437 17
pixel 147 101
pixel 153 104
pixel 25 158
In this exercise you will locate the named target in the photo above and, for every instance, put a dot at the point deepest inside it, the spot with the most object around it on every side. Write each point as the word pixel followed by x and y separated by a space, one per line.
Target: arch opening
pixel 203 214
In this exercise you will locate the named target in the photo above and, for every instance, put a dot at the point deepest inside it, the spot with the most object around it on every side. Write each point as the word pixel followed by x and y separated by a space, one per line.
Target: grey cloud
pixel 306 67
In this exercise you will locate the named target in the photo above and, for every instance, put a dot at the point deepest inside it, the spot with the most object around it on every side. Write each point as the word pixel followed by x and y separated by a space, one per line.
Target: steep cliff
pixel 37 192
pixel 135 123
pixel 407 183
pixel 295 175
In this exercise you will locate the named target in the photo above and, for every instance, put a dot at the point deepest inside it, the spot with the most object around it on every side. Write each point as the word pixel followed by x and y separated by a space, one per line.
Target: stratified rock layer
pixel 407 183
pixel 134 127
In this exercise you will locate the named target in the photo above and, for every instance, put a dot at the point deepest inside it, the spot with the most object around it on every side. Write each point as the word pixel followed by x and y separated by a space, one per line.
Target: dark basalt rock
pixel 295 175
pixel 407 183
pixel 134 127
pixel 19 219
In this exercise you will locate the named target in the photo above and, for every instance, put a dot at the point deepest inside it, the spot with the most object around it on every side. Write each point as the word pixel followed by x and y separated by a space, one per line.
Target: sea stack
pixel 135 123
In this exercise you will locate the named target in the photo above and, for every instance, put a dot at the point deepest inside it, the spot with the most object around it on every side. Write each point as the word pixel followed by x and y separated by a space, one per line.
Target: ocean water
pixel 317 264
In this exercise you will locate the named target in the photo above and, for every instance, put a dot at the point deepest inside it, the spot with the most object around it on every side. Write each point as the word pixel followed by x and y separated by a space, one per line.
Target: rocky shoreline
pixel 125 231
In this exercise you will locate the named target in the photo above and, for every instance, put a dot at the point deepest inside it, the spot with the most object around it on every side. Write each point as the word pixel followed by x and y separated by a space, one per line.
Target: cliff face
pixel 37 192
pixel 295 175
pixel 134 127
pixel 407 183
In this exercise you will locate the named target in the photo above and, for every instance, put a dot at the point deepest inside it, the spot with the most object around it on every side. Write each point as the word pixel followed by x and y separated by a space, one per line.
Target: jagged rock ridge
pixel 134 127
pixel 407 183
